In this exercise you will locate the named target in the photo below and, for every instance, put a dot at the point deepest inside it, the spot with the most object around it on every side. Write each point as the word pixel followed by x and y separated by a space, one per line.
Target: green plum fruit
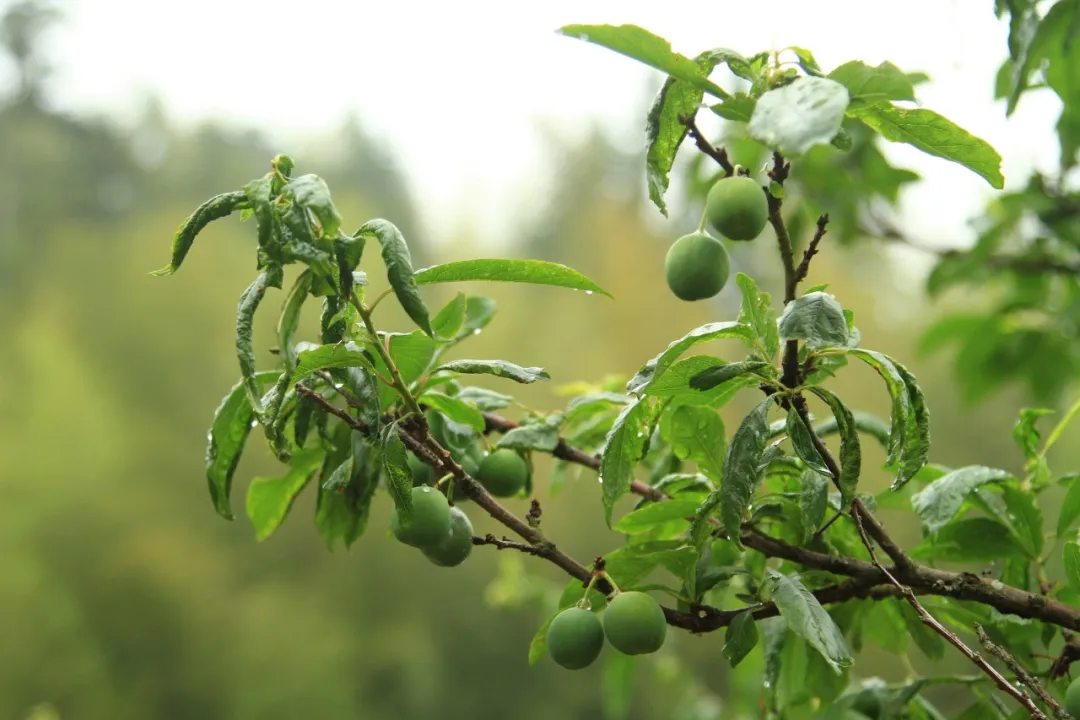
pixel 1072 698
pixel 503 473
pixel 575 638
pixel 634 623
pixel 430 522
pixel 457 545
pixel 737 208
pixel 697 267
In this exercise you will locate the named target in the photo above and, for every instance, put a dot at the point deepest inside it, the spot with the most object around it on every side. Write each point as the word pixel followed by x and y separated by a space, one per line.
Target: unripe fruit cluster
pixel 697 265
pixel 503 473
pixel 443 533
pixel 633 623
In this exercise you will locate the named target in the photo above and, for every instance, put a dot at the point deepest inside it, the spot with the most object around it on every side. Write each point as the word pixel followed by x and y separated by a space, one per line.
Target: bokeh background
pixel 478 131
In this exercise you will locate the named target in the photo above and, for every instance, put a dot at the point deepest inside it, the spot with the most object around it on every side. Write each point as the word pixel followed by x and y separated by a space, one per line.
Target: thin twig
pixel 930 621
pixel 1022 675
pixel 821 530
pixel 506 543
pixel 808 254
pixel 718 154
pixel 331 408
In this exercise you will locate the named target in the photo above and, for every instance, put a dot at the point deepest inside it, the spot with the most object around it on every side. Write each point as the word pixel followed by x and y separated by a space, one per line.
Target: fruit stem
pixel 701 225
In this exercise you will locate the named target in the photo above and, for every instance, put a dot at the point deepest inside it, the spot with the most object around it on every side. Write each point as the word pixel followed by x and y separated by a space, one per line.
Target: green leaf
pixel 757 312
pixel 925 638
pixel 311 193
pixel 934 135
pixel 741 475
pixel 623 447
pixel 676 380
pixel 808 619
pixel 740 637
pixel 1026 518
pixel 656 367
pixel 484 399
pixel 850 446
pixel 864 422
pixel 498 368
pixel 413 353
pixel 901 400
pixel 536 272
pixel 645 518
pixel 816 318
pixel 228 433
pixel 645 47
pixel 1026 434
pixel 344 504
pixel 807 61
pixel 398 474
pixel 1070 506
pixel 269 499
pixel 737 108
pixel 939 501
pixel 213 209
pixel 799 435
pixel 448 322
pixel 970 539
pixel 874 84
pixel 455 409
pixel 325 357
pixel 813 501
pixel 697 434
pixel 290 318
pixel 543 436
pixel 794 118
pixel 1070 554
pixel 916 448
pixel 245 314
pixel 399 270
pixel 365 387
pixel 710 378
pixel 664 133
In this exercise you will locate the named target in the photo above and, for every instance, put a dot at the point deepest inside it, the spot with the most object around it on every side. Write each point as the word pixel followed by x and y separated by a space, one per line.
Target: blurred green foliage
pixel 125 596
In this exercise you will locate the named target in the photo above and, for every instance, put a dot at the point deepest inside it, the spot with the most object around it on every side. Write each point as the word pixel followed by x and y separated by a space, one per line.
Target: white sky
pixel 459 88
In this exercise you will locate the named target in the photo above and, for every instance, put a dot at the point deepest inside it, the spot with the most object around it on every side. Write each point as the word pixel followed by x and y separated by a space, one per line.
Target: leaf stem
pixel 398 382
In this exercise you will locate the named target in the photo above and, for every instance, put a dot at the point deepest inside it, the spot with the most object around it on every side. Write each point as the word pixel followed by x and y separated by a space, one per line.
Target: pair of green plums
pixel 633 623
pixel 697 265
pixel 443 533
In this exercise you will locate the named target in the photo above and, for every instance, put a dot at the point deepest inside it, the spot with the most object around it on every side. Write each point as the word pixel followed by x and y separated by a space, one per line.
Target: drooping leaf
pixel 901 400
pixel 270 499
pixel 850 445
pixel 245 314
pixel 365 387
pixel 871 84
pixel 934 135
pixel 453 408
pixel 816 318
pixel 325 357
pixel 345 500
pixel 617 685
pixel 916 448
pixel 399 270
pixel 498 368
pixel 290 318
pixel 536 272
pixel 1070 554
pixel 938 502
pixel 311 193
pixel 645 518
pixel 864 422
pixel 645 47
pixel 807 112
pixel 228 433
pixel 1070 506
pixel 711 377
pixel 623 447
pixel 740 638
pixel 659 364
pixel 398 474
pixel 799 435
pixel 664 132
pixel 808 619
pixel 757 312
pixel 813 501
pixel 213 209
pixel 1026 518
pixel 741 476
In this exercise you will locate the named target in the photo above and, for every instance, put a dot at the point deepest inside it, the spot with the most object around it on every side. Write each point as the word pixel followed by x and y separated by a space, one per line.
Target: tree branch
pixel 811 250
pixel 719 155
pixel 1022 675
